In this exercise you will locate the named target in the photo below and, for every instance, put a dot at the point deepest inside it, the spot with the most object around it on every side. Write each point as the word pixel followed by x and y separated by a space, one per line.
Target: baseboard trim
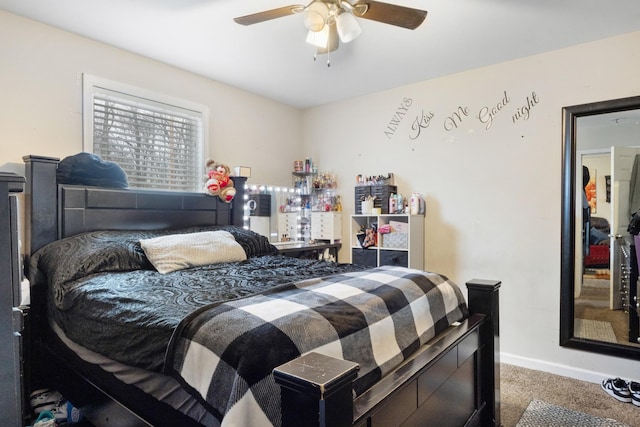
pixel 553 368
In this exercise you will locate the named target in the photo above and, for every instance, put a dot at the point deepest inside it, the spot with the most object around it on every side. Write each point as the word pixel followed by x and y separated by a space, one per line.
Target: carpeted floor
pixel 593 304
pixel 520 386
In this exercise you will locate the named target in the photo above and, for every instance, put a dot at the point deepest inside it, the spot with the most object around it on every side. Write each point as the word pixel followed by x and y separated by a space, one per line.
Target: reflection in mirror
pixel 263 202
pixel 259 209
pixel 600 192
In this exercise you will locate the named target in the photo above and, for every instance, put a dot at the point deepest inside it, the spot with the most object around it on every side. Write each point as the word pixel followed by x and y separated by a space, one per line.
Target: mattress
pixel 105 294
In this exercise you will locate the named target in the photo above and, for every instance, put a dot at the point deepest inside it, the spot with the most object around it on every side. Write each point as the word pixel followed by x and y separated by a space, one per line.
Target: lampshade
pixel 348 27
pixel 319 38
pixel 315 16
pixel 332 40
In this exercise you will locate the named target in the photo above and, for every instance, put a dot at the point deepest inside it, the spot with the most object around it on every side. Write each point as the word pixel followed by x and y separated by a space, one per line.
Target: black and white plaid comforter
pixel 225 354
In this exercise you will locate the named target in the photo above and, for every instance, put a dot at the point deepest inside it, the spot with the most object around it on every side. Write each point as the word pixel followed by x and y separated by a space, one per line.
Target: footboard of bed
pixel 452 381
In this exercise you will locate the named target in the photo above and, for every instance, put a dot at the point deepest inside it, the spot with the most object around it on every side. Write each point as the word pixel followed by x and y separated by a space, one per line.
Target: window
pixel 158 141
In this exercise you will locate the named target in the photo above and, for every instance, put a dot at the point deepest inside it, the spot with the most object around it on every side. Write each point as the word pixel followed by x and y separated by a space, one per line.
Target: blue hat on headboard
pixel 89 169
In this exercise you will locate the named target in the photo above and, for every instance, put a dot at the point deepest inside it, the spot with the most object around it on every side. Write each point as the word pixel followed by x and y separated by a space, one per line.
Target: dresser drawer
pixel 326 226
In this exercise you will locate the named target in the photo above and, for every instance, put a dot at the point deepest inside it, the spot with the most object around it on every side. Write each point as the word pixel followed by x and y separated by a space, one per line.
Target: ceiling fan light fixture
pixel 330 22
pixel 333 41
pixel 319 39
pixel 348 27
pixel 315 16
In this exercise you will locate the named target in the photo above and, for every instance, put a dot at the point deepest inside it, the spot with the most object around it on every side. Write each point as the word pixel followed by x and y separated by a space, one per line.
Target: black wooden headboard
pixel 55 211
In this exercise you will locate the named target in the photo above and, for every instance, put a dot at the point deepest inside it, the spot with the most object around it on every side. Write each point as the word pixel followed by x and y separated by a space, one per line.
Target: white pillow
pixel 178 251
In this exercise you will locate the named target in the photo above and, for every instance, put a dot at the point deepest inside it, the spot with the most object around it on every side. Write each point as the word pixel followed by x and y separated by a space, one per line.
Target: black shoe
pixel 618 388
pixel 634 389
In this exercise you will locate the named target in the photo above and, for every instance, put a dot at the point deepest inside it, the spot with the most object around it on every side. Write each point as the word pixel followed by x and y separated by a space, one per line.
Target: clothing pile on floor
pixel 51 409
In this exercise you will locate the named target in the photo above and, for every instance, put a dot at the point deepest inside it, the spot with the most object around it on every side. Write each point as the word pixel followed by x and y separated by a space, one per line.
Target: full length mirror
pixel 599 261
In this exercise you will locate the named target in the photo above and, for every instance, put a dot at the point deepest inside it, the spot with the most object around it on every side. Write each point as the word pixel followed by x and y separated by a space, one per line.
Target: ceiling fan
pixel 331 20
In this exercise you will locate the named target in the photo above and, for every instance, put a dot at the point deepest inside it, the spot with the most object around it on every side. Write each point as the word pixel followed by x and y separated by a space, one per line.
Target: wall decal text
pixel 487 114
pixel 525 111
pixel 452 122
pixel 421 122
pixel 397 117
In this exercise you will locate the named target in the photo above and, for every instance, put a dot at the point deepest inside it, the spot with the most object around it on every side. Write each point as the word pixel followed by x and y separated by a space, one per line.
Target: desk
pixel 308 250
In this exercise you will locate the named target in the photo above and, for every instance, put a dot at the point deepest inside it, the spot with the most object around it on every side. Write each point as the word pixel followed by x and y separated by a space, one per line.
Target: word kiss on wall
pixel 485 115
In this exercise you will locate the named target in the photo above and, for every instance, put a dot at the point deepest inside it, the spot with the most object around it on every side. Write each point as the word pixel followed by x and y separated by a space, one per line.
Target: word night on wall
pixel 525 111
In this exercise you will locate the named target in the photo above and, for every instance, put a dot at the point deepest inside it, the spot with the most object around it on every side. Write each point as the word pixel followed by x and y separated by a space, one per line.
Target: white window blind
pixel 158 144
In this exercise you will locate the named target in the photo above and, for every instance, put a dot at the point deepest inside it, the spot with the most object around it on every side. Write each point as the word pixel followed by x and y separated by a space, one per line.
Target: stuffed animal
pixel 218 182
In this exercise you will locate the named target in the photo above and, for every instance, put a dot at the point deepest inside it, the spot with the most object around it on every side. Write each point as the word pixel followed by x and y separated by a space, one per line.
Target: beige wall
pixel 493 195
pixel 41 99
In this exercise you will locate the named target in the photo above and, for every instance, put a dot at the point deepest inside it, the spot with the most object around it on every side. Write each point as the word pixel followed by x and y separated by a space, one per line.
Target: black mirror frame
pixel 567 257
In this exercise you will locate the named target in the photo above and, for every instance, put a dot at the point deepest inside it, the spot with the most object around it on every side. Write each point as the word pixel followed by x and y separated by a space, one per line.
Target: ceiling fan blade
pixel 267 15
pixel 392 14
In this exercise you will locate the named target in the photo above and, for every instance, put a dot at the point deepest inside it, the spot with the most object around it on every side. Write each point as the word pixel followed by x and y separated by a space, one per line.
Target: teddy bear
pixel 218 183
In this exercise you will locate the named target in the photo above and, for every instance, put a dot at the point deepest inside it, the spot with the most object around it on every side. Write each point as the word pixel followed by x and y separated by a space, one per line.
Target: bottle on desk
pixel 393 203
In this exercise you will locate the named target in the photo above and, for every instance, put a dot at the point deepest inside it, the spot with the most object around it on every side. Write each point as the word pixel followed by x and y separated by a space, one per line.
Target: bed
pixel 326 362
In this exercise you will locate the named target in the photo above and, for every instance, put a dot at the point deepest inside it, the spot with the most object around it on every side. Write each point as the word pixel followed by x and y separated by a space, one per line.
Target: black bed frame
pixel 452 381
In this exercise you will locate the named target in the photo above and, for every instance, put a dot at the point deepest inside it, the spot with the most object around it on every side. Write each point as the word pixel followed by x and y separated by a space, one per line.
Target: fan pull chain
pixel 315 57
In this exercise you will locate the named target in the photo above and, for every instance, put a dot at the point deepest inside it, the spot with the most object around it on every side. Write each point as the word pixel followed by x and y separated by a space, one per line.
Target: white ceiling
pixel 272 58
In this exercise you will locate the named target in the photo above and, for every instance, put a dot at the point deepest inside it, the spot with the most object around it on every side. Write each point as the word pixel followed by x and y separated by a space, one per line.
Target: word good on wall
pixel 487 114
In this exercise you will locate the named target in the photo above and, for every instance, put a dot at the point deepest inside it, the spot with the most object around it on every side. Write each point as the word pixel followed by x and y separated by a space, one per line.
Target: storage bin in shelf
pixel 394 240
pixel 394 232
pixel 402 244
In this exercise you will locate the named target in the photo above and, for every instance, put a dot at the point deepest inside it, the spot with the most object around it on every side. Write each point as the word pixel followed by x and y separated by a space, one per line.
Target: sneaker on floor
pixel 618 388
pixel 634 389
